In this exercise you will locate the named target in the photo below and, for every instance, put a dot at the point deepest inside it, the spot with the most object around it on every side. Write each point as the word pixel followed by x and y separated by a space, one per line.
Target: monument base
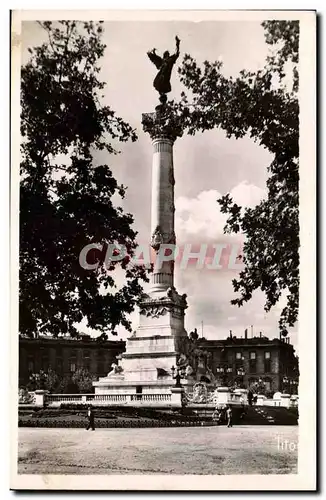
pixel 152 353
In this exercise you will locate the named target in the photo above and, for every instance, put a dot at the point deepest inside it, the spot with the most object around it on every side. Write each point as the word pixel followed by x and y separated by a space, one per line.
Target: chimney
pixel 230 334
pixel 246 333
pixel 260 334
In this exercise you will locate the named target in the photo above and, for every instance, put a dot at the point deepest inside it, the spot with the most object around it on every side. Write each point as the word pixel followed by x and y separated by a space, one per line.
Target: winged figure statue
pixel 164 65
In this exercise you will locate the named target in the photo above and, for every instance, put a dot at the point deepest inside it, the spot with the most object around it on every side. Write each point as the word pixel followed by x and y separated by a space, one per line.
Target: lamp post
pixel 176 376
pixel 285 383
pixel 241 373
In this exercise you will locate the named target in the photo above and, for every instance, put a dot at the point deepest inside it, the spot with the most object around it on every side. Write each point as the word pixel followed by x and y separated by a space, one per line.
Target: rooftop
pixel 257 340
pixel 68 338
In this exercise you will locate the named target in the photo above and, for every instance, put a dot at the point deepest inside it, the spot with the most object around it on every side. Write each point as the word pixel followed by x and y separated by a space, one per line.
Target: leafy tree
pixel 65 197
pixel 263 105
pixel 37 381
pixel 48 380
pixel 66 386
pixel 259 387
pixel 83 380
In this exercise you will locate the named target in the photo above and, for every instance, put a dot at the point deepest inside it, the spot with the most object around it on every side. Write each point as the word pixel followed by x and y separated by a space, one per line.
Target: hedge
pixel 106 423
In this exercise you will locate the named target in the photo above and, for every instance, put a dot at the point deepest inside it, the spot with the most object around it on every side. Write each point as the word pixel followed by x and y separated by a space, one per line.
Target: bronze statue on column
pixel 164 65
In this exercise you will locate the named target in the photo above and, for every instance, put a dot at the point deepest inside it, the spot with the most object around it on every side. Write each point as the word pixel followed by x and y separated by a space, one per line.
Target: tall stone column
pixel 162 213
pixel 163 308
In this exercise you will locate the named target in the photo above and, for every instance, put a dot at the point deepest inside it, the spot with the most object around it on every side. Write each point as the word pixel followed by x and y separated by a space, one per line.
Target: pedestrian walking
pixel 90 416
pixel 229 416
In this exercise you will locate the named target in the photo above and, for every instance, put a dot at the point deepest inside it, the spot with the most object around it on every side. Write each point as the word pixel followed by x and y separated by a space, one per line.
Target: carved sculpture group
pixel 159 238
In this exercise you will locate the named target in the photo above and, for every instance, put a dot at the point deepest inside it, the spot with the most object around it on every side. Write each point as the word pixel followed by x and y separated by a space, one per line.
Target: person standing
pixel 217 416
pixel 229 416
pixel 90 416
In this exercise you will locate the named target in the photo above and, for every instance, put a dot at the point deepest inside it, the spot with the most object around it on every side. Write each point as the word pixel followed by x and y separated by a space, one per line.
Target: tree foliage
pixel 263 105
pixel 79 382
pixel 65 197
pixel 48 380
pixel 259 387
pixel 83 379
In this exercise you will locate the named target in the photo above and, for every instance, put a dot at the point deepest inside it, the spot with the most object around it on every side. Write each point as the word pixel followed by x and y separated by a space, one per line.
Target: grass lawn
pixel 197 450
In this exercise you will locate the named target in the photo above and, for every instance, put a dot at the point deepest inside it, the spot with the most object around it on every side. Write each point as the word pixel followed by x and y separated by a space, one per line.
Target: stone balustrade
pixel 108 399
pixel 284 400
pixel 172 398
pixel 235 398
pixel 63 398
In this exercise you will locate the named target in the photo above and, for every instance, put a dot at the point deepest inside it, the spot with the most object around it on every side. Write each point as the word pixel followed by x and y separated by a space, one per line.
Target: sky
pixel 206 165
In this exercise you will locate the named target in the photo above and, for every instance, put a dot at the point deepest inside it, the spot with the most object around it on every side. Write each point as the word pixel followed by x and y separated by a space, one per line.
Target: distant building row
pixel 243 361
pixel 65 355
pixel 246 361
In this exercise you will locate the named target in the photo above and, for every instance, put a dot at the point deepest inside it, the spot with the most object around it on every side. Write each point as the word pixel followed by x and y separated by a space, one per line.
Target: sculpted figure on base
pixel 116 370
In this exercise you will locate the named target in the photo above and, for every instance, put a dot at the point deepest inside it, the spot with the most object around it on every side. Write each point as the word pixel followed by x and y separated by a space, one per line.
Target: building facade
pixel 65 355
pixel 246 361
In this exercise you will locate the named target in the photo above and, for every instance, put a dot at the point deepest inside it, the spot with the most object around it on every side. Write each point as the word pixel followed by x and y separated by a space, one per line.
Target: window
pixel 59 352
pixel 87 360
pixel 267 362
pixel 238 356
pixel 45 363
pixel 30 365
pixel 101 362
pixel 59 365
pixel 252 362
pixel 100 367
pixel 73 361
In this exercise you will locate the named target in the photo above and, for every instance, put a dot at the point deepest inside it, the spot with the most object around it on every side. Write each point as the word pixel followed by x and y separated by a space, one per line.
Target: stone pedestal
pixel 294 400
pixel 40 397
pixel 261 400
pixel 243 393
pixel 285 400
pixel 223 395
pixel 177 394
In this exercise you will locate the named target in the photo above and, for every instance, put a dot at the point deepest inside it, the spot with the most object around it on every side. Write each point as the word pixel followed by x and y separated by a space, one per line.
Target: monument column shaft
pixel 162 212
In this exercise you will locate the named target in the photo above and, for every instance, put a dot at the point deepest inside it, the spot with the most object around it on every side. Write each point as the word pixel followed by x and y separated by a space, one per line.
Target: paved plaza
pixel 194 450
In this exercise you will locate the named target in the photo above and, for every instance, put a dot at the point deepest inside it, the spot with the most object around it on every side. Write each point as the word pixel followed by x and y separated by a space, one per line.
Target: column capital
pixel 164 123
